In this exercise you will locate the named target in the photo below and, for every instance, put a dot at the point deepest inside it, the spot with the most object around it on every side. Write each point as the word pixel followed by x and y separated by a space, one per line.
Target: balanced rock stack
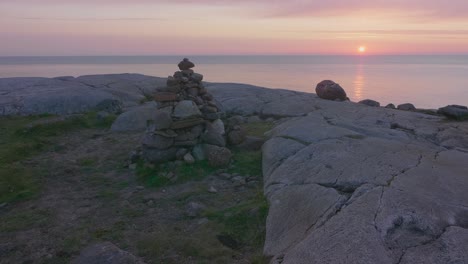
pixel 187 124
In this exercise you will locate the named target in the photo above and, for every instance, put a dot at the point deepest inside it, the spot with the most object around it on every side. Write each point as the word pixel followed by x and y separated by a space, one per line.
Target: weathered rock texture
pixel 32 96
pixel 348 183
pixel 352 184
pixel 243 99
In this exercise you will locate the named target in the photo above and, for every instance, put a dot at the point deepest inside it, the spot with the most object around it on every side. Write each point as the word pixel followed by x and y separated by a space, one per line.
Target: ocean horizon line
pixel 459 59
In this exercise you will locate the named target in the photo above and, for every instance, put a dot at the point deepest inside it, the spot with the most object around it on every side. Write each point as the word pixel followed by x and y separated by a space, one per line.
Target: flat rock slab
pixel 62 96
pixel 243 99
pixel 348 183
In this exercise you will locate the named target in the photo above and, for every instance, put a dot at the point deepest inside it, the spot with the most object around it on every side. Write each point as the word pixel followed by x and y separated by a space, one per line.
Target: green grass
pixel 154 177
pixel 24 137
pixel 245 222
pixel 246 162
pixel 258 129
pixel 87 162
pixel 24 220
pixel 200 244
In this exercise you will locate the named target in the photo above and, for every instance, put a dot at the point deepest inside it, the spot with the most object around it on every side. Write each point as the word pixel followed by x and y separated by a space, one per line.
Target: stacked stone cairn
pixel 187 125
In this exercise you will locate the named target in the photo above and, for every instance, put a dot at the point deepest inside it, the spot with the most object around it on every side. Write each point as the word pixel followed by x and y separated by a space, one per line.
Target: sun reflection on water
pixel 359 83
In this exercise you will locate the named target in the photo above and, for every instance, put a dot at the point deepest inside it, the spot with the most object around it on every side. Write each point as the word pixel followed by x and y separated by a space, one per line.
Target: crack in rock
pixel 424 243
pixel 402 128
pixel 394 176
pixel 89 85
pixel 296 139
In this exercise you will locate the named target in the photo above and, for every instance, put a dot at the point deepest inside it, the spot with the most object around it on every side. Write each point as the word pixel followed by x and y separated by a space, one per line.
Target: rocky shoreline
pixel 346 182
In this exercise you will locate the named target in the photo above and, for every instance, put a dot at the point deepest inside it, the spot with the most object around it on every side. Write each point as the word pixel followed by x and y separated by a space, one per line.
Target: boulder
pixel 457 112
pixel 252 143
pixel 135 119
pixel 157 141
pixel 197 77
pixel 181 153
pixel 212 137
pixel 153 155
pixel 217 126
pixel 406 107
pixel 390 106
pixel 194 209
pixel 237 136
pixel 217 156
pixel 236 121
pixel 185 64
pixel 198 153
pixel 105 253
pixel 189 159
pixel 330 90
pixel 162 120
pixel 370 102
pixel 186 109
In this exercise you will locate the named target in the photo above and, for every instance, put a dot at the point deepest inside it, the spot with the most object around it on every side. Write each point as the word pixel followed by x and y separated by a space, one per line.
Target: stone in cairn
pixel 187 118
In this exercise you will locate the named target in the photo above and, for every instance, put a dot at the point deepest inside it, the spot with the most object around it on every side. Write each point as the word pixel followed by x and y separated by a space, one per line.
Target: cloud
pixel 280 8
pixel 92 19
pixel 419 32
pixel 412 10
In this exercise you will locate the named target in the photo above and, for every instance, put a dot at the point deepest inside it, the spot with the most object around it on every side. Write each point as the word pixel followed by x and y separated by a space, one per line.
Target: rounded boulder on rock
pixel 390 106
pixel 370 102
pixel 217 156
pixel 330 90
pixel 457 112
pixel 406 107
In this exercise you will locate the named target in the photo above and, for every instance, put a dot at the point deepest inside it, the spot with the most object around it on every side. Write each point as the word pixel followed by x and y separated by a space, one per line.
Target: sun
pixel 362 49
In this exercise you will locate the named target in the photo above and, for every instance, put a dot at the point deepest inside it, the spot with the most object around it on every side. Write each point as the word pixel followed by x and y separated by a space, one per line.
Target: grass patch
pixel 159 176
pixel 24 220
pixel 258 129
pixel 25 137
pixel 17 183
pixel 87 162
pixel 200 244
pixel 244 223
pixel 246 162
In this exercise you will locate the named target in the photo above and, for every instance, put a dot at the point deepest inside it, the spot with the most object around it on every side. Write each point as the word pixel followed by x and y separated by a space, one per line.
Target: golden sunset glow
pixel 137 27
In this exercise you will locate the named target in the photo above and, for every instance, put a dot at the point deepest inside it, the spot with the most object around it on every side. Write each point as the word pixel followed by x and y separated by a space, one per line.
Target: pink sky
pixel 173 27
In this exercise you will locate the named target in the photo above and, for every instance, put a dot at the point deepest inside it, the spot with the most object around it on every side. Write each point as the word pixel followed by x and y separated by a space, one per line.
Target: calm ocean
pixel 426 81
